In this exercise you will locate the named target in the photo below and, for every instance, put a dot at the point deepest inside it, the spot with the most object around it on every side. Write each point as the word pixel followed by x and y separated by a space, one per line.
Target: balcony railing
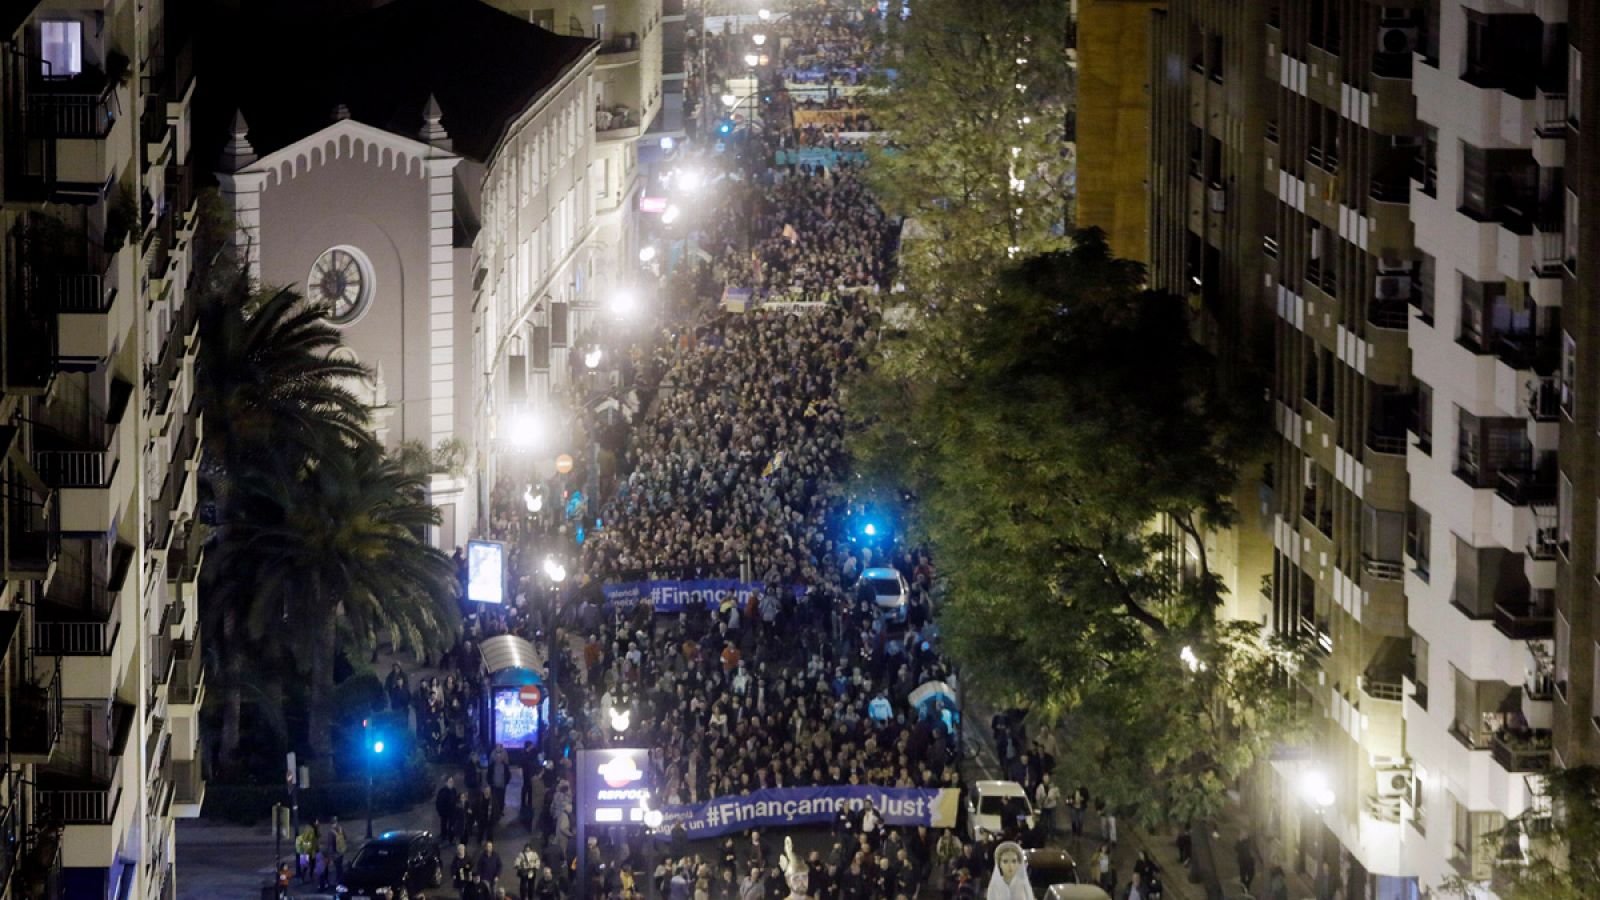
pixel 1388 688
pixel 189 780
pixel 1383 569
pixel 1544 398
pixel 1521 753
pixel 188 675
pixel 1527 618
pixel 615 119
pixel 74 468
pixel 84 292
pixel 621 42
pixel 36 710
pixel 84 806
pixel 1545 540
pixel 1521 487
pixel 1550 114
pixel 68 115
pixel 1390 314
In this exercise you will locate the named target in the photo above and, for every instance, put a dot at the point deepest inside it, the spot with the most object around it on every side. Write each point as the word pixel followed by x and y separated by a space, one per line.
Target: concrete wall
pixel 1114 121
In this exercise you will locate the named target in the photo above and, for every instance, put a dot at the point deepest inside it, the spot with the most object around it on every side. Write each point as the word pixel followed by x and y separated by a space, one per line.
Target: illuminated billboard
pixel 486 571
pixel 613 785
pixel 517 713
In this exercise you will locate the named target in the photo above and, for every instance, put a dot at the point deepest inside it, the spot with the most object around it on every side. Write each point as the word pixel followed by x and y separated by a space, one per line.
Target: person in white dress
pixel 1010 878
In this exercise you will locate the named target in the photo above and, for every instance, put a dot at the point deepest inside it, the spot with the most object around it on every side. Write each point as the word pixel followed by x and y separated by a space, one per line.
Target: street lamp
pixel 591 357
pixel 759 39
pixel 730 100
pixel 750 59
pixel 624 301
pixel 1315 788
pixel 525 430
pixel 534 502
pixel 647 253
pixel 670 214
pixel 554 570
pixel 689 180
pixel 620 719
pixel 374 750
pixel 764 14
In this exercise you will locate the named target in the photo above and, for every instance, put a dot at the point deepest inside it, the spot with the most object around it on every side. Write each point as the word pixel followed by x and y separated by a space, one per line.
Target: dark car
pixel 1048 867
pixel 392 859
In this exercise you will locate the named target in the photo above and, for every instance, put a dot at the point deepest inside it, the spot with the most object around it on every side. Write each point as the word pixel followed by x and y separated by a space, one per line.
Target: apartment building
pixel 1399 186
pixel 629 103
pixel 103 677
pixel 1575 694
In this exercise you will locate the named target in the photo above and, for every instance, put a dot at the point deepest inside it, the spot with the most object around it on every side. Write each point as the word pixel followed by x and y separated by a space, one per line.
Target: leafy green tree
pixel 975 127
pixel 1551 852
pixel 1046 429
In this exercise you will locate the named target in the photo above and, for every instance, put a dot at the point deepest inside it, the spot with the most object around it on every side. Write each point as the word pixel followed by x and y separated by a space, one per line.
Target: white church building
pixel 430 183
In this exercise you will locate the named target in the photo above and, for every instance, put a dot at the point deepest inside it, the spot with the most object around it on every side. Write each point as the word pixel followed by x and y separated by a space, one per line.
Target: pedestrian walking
pixel 444 803
pixel 527 865
pixel 1047 798
pixel 1080 804
pixel 1244 853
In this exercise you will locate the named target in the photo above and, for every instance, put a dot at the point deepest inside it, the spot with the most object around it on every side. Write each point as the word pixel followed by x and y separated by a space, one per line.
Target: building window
pixel 1422 416
pixel 1574 85
pixel 1430 33
pixel 61 47
pixel 1487 446
pixel 1419 668
pixel 1419 539
pixel 599 23
pixel 1563 652
pixel 1569 373
pixel 1499 185
pixel 1216 57
pixel 1428 161
pixel 1564 513
pixel 1569 232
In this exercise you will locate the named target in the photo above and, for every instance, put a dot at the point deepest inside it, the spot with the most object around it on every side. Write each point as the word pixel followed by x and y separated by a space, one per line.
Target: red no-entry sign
pixel 530 695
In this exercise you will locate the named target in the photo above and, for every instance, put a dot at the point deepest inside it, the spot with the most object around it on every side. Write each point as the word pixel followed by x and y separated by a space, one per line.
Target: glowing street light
pixel 525 430
pixel 730 100
pixel 647 253
pixel 667 143
pixel 620 719
pixel 554 570
pixel 689 180
pixel 670 214
pixel 764 14
pixel 1316 790
pixel 624 302
pixel 534 502
pixel 750 59
pixel 591 357
pixel 758 39
pixel 1190 659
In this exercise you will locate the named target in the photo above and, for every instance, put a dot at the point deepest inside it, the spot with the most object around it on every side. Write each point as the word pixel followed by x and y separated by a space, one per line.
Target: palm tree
pixel 338 553
pixel 272 391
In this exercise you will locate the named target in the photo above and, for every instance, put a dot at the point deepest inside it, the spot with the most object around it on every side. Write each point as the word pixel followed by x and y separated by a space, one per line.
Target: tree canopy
pixel 1048 429
pixel 975 128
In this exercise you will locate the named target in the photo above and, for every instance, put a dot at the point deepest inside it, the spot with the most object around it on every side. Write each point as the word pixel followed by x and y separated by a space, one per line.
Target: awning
pixel 507 651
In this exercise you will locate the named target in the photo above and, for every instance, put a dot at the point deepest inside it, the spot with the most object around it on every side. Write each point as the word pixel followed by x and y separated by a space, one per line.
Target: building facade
pixel 461 195
pixel 103 676
pixel 1397 187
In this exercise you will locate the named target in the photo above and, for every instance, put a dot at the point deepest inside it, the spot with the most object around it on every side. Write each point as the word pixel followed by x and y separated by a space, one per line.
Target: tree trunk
pixel 232 701
pixel 319 715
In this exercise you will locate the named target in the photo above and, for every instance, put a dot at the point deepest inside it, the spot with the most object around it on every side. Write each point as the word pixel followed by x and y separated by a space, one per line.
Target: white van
pixel 987 804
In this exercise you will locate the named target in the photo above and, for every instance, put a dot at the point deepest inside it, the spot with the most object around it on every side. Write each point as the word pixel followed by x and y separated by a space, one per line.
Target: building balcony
pixel 91 468
pixel 1529 752
pixel 189 788
pixel 93 313
pixel 35 709
pixel 1524 487
pixel 31 333
pixel 84 114
pixel 618 49
pixel 33 527
pixel 1527 618
pixel 88 789
pixel 1544 542
pixel 187 687
pixel 617 123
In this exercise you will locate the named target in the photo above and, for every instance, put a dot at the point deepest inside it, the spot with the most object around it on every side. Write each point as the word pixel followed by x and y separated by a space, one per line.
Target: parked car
pixel 390 860
pixel 999 808
pixel 1049 867
pixel 889 590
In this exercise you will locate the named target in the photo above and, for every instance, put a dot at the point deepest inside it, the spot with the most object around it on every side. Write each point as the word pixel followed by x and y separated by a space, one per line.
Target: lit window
pixel 61 47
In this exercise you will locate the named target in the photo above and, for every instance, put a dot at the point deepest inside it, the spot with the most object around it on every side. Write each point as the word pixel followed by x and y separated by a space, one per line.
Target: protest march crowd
pixel 734 467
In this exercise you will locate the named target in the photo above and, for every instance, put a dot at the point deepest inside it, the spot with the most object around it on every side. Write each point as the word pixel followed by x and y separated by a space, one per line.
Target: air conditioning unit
pixel 1392 287
pixel 1397 39
pixel 1394 784
pixel 1217 199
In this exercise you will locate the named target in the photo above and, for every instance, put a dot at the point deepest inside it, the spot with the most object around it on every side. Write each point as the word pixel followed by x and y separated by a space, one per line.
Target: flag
pixel 790 234
pixel 774 465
